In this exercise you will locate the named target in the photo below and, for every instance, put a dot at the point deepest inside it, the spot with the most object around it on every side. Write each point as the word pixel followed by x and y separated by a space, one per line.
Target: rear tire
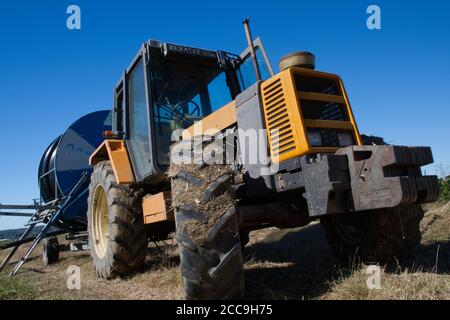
pixel 50 254
pixel 117 235
pixel 377 235
pixel 207 231
pixel 374 236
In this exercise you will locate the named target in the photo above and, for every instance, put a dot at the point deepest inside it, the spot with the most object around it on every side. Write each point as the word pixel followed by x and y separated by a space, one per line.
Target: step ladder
pixel 47 214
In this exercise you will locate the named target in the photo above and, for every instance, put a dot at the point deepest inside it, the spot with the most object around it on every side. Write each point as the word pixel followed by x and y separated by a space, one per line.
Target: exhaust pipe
pixel 252 48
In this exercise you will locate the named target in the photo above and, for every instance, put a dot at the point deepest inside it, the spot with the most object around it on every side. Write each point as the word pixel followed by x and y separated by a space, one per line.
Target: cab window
pixel 138 120
pixel 183 94
pixel 246 72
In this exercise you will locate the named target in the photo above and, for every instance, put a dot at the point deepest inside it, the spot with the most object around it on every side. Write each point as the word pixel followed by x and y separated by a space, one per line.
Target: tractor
pixel 211 145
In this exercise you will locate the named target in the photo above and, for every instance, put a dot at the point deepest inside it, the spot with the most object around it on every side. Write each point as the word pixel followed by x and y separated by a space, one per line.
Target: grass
pixel 444 187
pixel 279 264
pixel 161 279
pixel 422 275
pixel 16 289
pixel 401 285
pixel 297 264
pixel 2 243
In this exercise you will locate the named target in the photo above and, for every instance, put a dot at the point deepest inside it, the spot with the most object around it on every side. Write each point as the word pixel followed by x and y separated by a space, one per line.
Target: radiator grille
pixel 281 136
pixel 295 109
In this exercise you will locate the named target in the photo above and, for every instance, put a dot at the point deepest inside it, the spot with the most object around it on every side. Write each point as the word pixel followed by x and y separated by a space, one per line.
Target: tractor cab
pixel 170 87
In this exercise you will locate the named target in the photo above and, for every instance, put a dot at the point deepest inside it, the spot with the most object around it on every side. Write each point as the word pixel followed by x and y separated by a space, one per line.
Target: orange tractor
pixel 182 157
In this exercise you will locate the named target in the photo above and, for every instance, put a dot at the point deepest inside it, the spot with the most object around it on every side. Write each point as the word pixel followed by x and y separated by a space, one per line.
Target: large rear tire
pixel 207 231
pixel 374 236
pixel 117 235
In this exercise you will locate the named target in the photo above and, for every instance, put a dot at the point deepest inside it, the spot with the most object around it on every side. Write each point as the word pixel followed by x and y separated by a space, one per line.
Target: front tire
pixel 207 231
pixel 374 236
pixel 117 235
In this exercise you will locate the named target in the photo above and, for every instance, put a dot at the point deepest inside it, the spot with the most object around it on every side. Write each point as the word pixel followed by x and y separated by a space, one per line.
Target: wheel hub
pixel 100 221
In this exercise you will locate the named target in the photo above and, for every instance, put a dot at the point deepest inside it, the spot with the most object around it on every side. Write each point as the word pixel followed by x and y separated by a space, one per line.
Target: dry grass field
pixel 279 264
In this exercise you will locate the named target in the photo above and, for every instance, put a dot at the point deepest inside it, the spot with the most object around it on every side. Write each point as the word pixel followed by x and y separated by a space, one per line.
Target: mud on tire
pixel 124 233
pixel 207 230
pixel 374 236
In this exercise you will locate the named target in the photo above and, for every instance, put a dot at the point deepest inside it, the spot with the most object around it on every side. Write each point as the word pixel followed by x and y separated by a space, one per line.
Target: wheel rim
pixel 350 228
pixel 100 221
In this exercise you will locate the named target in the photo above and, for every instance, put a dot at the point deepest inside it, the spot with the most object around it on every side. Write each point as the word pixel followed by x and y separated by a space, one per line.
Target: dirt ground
pixel 279 264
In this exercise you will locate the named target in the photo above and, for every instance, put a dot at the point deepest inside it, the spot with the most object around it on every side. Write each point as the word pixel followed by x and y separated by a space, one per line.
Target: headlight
pixel 315 139
pixel 345 139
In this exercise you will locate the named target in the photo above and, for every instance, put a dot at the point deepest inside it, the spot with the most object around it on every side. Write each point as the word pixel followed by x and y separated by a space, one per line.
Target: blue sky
pixel 397 78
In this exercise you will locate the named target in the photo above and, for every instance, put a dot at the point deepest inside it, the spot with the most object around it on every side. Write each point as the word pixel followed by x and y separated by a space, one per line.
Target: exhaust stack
pixel 252 48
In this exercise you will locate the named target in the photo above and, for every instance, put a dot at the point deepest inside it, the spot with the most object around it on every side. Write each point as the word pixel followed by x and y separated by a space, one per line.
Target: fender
pixel 116 152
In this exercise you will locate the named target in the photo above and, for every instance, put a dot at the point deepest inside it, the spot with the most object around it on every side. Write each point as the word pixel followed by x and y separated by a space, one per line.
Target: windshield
pixel 183 94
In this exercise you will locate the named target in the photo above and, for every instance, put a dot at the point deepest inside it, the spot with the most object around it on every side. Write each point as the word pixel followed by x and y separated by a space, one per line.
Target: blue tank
pixel 65 161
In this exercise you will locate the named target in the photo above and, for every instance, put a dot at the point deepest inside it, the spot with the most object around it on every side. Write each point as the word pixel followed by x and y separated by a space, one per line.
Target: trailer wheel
pixel 50 254
pixel 117 235
pixel 373 236
pixel 207 231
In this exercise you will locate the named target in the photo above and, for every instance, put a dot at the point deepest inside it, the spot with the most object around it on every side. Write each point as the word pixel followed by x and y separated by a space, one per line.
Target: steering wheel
pixel 194 112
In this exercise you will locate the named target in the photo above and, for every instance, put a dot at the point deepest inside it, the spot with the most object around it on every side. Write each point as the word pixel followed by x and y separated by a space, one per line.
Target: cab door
pixel 137 126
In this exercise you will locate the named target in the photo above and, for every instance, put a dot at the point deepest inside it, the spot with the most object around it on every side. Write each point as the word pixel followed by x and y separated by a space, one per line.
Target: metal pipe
pixel 252 48
pixel 43 232
pixel 25 207
pixel 16 214
pixel 18 243
pixel 13 251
